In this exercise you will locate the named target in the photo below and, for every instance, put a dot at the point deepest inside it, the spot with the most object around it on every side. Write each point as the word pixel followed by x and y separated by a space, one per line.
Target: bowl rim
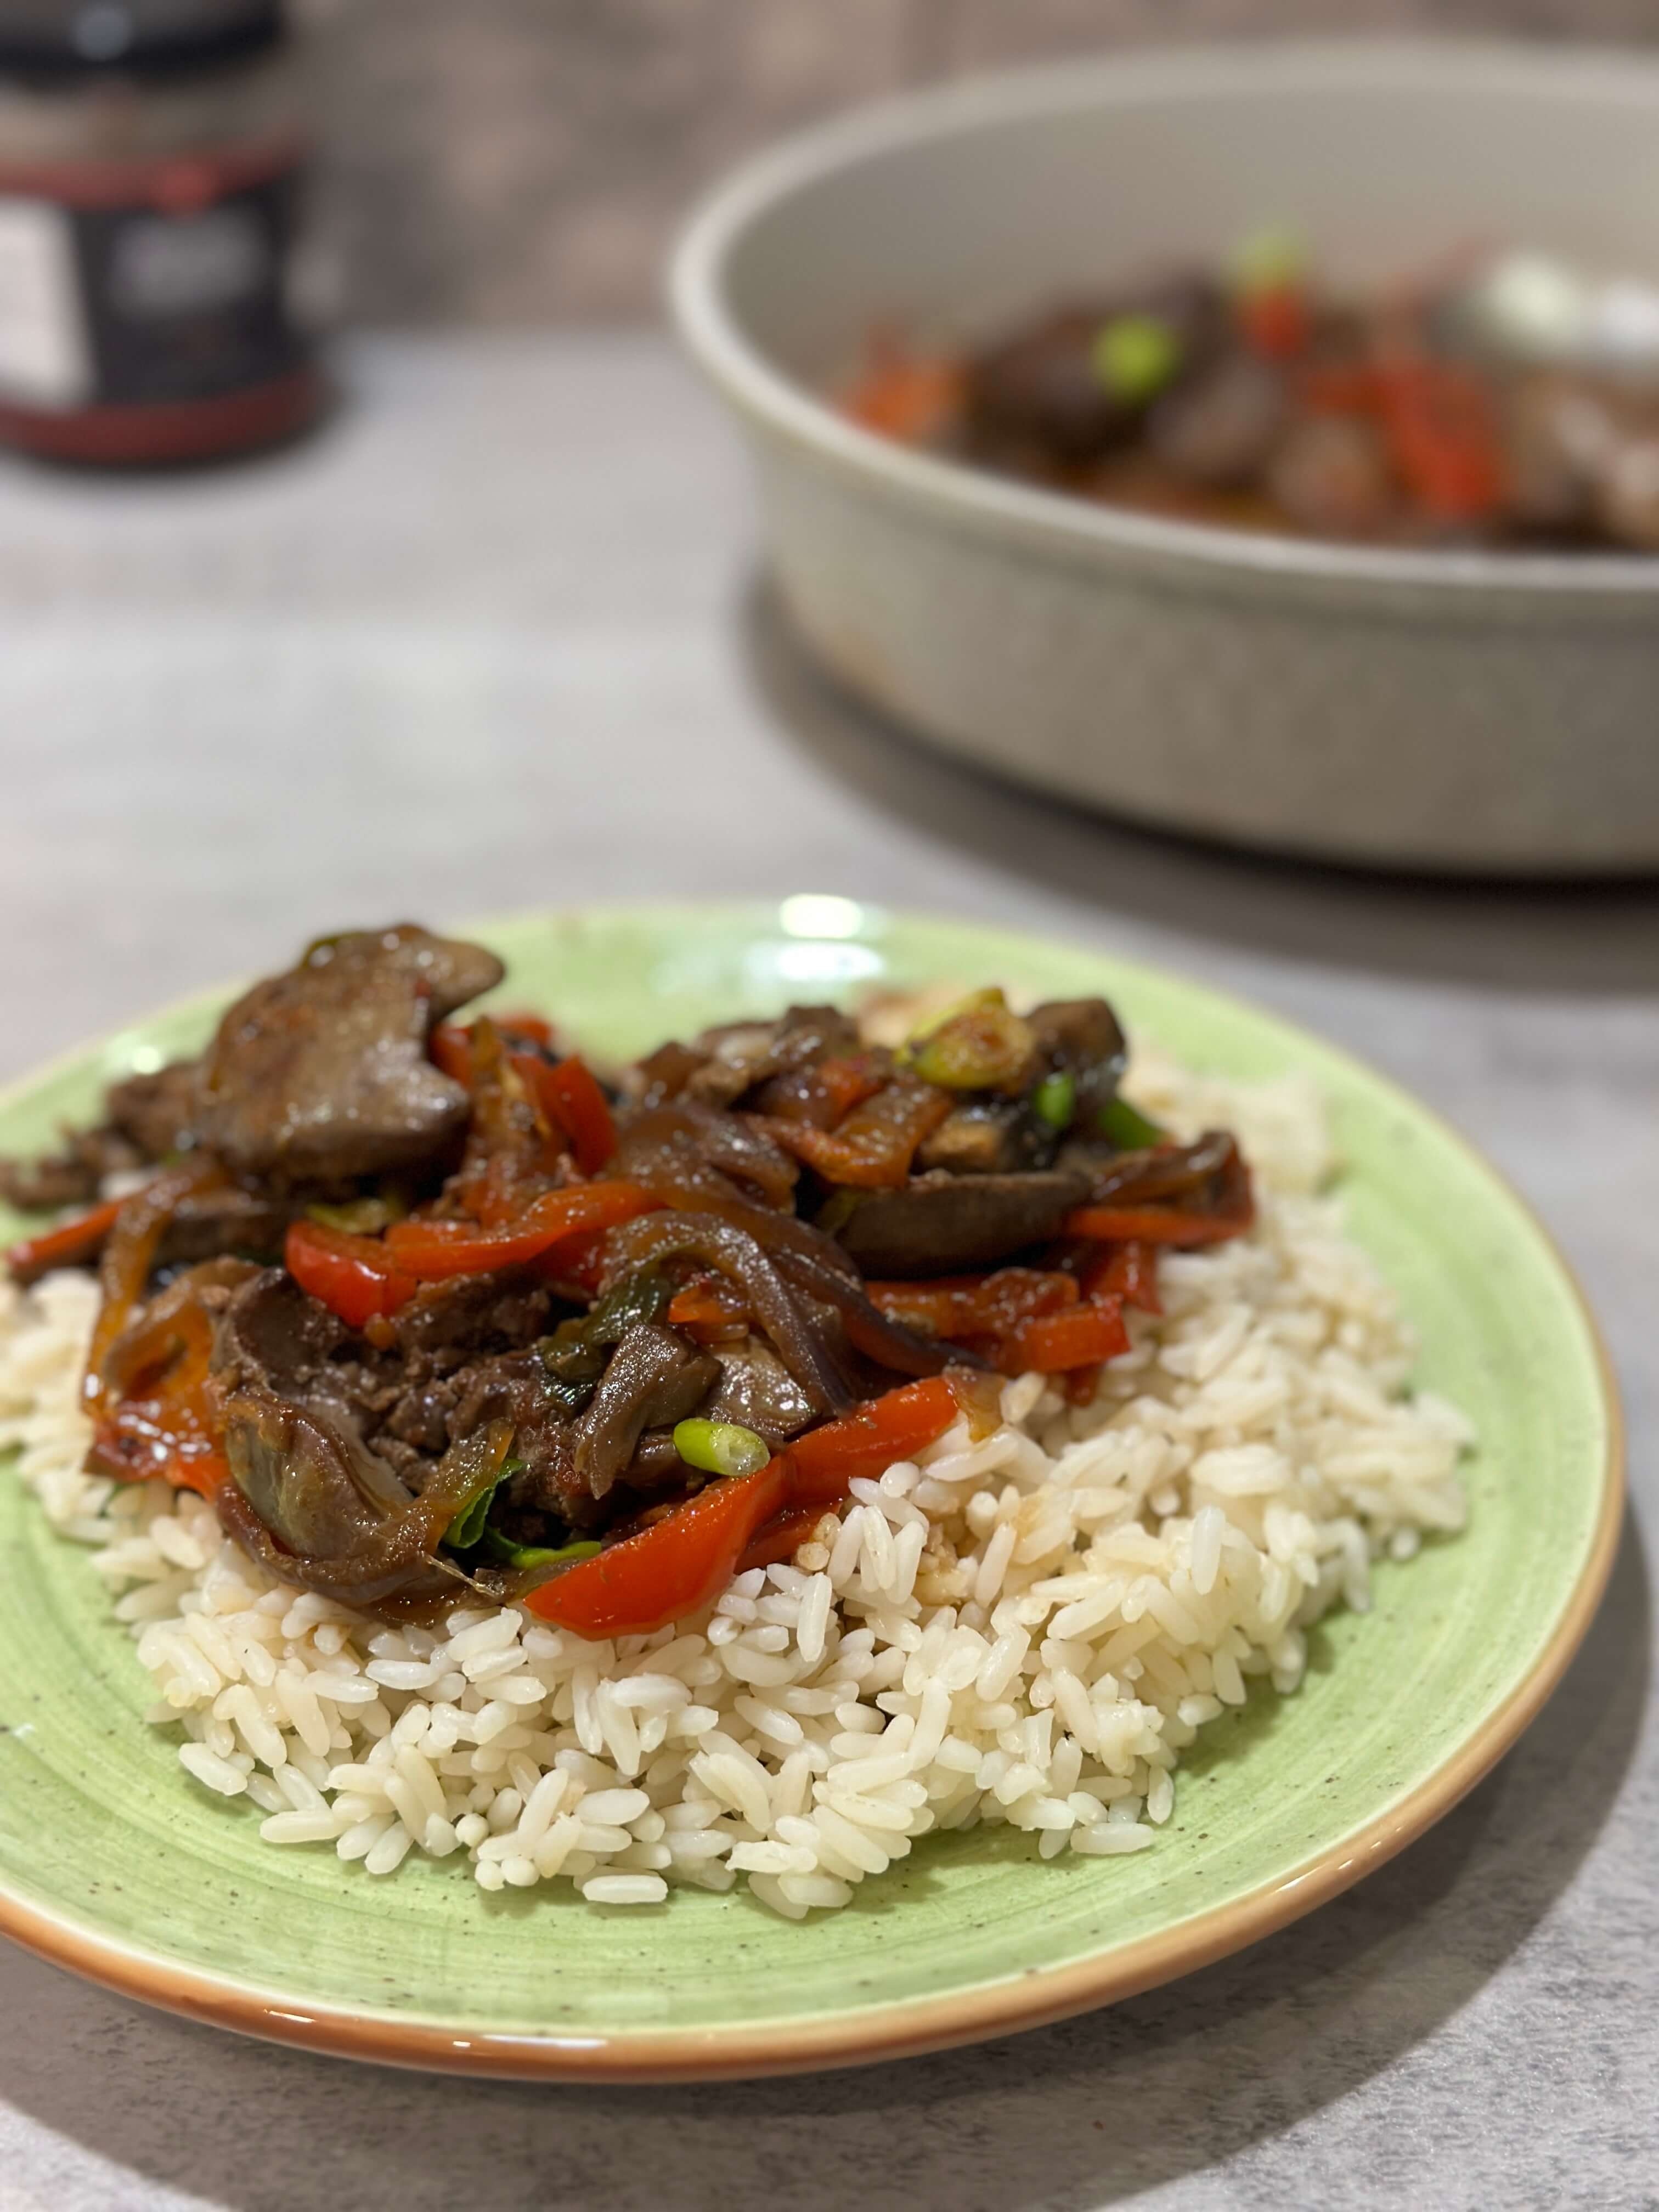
pixel 956 493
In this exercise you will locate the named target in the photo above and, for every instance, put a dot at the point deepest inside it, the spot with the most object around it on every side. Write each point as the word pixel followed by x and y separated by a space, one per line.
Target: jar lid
pixel 68 39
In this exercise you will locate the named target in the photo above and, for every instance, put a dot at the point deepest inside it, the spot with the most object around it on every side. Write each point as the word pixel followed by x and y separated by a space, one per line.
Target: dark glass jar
pixel 151 155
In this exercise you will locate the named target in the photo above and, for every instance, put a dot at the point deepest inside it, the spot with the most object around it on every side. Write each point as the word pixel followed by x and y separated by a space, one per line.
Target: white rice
pixel 1029 1629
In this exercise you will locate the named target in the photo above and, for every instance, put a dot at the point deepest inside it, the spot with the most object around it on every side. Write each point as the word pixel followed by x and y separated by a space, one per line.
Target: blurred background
pixel 520 161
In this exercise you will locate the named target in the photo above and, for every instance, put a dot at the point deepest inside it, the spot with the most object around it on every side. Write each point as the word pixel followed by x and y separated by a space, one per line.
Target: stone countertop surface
pixel 494 641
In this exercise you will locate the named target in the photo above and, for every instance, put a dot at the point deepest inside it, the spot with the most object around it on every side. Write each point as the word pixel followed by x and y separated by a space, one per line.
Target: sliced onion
pixel 313 1504
pixel 663 1152
pixel 1165 1171
pixel 877 1334
pixel 733 1252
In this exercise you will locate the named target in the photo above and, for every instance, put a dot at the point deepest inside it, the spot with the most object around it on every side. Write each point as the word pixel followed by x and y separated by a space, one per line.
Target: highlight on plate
pixel 1503 400
pixel 739 1464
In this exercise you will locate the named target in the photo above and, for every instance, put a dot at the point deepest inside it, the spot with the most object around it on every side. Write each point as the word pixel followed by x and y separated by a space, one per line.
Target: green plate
pixel 113 1862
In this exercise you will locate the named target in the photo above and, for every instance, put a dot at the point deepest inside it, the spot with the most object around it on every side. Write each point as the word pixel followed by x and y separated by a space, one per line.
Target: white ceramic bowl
pixel 1467 711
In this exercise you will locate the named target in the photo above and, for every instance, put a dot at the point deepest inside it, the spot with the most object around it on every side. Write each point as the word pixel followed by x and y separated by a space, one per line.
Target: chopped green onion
pixel 1054 1098
pixel 721 1447
pixel 1134 356
pixel 1130 1131
pixel 973 1003
pixel 465 1530
pixel 1271 260
pixel 358 1216
pixel 574 1355
pixel 839 1209
pixel 509 1554
pixel 981 1044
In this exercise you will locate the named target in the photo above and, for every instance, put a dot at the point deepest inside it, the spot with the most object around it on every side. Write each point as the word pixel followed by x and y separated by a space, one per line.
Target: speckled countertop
pixel 494 641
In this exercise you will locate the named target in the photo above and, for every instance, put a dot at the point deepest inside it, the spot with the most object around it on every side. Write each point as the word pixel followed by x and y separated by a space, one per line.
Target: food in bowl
pixel 1437 706
pixel 740 1463
pixel 1496 401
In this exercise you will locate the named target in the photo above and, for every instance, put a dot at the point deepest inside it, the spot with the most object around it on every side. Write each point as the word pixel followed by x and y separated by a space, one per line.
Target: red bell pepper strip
pixel 72 1244
pixel 1349 387
pixel 1127 1271
pixel 781 1537
pixel 573 1268
pixel 128 1255
pixel 430 1251
pixel 566 1091
pixel 987 1311
pixel 847 1081
pixel 570 1097
pixel 162 1424
pixel 912 397
pixel 958 1306
pixel 710 1308
pixel 1081 1337
pixel 532 1027
pixel 1442 433
pixel 1438 422
pixel 872 1148
pixel 682 1563
pixel 450 1048
pixel 1152 1225
pixel 893 1427
pixel 826 1093
pixel 146 1439
pixel 513 1149
pixel 1274 320
pixel 676 1566
pixel 354 1277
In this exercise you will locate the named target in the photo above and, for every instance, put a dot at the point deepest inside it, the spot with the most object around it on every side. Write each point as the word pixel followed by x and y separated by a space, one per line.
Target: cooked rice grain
pixel 1028 1630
